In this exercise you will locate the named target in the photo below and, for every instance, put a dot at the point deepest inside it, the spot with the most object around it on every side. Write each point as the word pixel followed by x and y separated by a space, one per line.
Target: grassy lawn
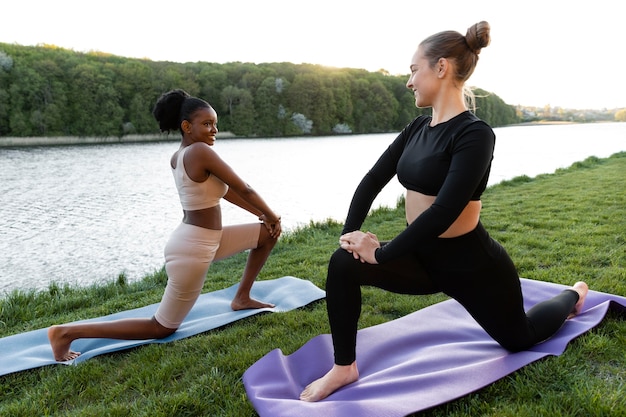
pixel 562 227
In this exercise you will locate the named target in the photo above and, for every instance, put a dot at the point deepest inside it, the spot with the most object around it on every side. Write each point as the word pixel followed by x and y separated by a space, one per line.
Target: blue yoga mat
pixel 212 310
pixel 410 364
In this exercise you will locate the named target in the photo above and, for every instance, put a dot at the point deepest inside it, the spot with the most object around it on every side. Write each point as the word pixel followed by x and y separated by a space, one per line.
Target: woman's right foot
pixel 582 289
pixel 250 303
pixel 60 345
pixel 336 378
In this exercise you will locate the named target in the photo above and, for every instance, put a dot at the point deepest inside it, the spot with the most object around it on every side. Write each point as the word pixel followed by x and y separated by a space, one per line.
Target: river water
pixel 85 214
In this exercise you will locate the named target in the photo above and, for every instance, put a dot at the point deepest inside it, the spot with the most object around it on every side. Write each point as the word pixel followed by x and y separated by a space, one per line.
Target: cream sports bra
pixel 197 195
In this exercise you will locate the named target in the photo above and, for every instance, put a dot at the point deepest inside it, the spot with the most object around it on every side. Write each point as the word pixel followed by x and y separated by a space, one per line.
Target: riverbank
pixel 14 142
pixel 553 232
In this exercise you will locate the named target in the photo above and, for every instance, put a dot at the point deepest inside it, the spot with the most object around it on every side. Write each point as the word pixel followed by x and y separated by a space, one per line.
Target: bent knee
pixel 514 345
pixel 265 238
pixel 343 267
pixel 160 330
pixel 341 259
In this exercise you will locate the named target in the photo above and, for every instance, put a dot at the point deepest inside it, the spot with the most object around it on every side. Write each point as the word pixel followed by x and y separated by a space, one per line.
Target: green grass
pixel 561 227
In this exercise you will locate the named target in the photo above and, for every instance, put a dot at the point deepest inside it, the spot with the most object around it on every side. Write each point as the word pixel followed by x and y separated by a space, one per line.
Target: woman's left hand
pixel 273 226
pixel 362 245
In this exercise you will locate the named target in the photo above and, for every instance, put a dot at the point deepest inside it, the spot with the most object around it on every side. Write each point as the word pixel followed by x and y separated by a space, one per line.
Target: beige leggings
pixel 188 255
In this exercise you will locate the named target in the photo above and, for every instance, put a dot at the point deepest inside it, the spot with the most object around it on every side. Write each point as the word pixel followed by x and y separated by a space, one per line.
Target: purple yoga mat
pixel 410 364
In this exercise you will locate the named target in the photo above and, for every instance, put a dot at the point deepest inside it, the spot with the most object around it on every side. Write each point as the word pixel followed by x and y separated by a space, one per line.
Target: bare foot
pixel 250 303
pixel 60 345
pixel 581 288
pixel 336 378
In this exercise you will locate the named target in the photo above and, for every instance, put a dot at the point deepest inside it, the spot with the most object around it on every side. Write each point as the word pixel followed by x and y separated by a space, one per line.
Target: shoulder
pixel 199 151
pixel 418 123
pixel 470 119
pixel 471 125
pixel 411 129
pixel 198 147
pixel 201 157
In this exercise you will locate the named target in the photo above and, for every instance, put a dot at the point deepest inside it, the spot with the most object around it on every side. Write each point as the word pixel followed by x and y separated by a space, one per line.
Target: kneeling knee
pixel 515 346
pixel 160 330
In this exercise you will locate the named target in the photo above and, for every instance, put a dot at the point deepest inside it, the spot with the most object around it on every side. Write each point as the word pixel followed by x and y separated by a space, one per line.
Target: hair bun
pixel 167 109
pixel 478 37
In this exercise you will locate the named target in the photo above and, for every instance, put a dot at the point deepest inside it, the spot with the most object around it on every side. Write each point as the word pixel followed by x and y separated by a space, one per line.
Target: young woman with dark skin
pixel 202 179
pixel 443 161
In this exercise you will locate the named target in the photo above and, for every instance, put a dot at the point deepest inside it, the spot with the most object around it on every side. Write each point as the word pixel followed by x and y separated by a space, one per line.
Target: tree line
pixel 50 91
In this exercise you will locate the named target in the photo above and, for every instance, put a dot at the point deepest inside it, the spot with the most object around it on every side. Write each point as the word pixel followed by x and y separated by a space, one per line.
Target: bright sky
pixel 562 53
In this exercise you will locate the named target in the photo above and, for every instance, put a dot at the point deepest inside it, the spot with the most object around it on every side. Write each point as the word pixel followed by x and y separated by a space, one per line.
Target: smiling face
pixel 424 80
pixel 202 127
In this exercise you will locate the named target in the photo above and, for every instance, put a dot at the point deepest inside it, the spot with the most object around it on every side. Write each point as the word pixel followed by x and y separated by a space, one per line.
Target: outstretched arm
pixel 271 221
pixel 208 162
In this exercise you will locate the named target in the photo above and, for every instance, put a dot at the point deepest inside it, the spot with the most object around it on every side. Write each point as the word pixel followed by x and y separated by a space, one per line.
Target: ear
pixel 185 125
pixel 442 67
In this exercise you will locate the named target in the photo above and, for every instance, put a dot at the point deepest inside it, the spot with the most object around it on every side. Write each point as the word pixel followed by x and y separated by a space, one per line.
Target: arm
pixel 234 198
pixel 207 161
pixel 271 221
pixel 470 164
pixel 381 173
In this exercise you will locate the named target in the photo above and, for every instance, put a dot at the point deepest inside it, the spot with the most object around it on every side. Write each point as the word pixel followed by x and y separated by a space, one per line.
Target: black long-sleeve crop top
pixel 451 161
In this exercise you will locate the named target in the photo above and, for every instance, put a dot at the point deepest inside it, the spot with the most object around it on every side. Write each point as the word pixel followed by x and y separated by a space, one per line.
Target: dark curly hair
pixel 175 106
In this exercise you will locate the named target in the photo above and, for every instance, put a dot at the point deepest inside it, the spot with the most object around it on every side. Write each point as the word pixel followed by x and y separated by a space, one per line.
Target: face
pixel 203 126
pixel 423 80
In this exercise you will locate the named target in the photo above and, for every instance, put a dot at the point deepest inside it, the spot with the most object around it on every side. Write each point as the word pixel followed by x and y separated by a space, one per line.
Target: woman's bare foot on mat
pixel 336 378
pixel 60 345
pixel 581 288
pixel 250 303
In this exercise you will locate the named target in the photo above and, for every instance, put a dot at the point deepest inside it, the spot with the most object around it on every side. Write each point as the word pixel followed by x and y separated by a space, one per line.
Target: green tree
pixel 241 114
pixel 48 91
pixel 212 79
pixel 139 115
pixel 375 109
pixel 493 110
pixel 310 96
pixel 270 112
pixel 4 111
pixel 136 95
pixel 27 102
pixel 95 102
pixel 406 101
pixel 6 65
pixel 344 107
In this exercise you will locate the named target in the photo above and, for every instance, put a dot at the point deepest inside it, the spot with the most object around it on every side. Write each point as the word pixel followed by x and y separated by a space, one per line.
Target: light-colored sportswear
pixel 196 195
pixel 188 255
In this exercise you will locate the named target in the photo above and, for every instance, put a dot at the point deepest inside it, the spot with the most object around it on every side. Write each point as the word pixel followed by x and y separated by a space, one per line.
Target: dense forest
pixel 50 91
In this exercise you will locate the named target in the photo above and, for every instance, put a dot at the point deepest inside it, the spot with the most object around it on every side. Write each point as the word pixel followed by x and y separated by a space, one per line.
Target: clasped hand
pixel 272 225
pixel 362 245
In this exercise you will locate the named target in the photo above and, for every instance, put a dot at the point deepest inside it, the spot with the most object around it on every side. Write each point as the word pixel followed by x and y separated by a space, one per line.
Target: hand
pixel 361 245
pixel 272 225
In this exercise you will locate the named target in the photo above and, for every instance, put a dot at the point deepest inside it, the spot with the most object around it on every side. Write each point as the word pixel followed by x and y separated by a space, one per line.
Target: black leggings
pixel 473 269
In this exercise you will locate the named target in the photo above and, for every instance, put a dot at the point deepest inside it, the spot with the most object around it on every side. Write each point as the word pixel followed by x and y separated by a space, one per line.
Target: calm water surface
pixel 84 214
